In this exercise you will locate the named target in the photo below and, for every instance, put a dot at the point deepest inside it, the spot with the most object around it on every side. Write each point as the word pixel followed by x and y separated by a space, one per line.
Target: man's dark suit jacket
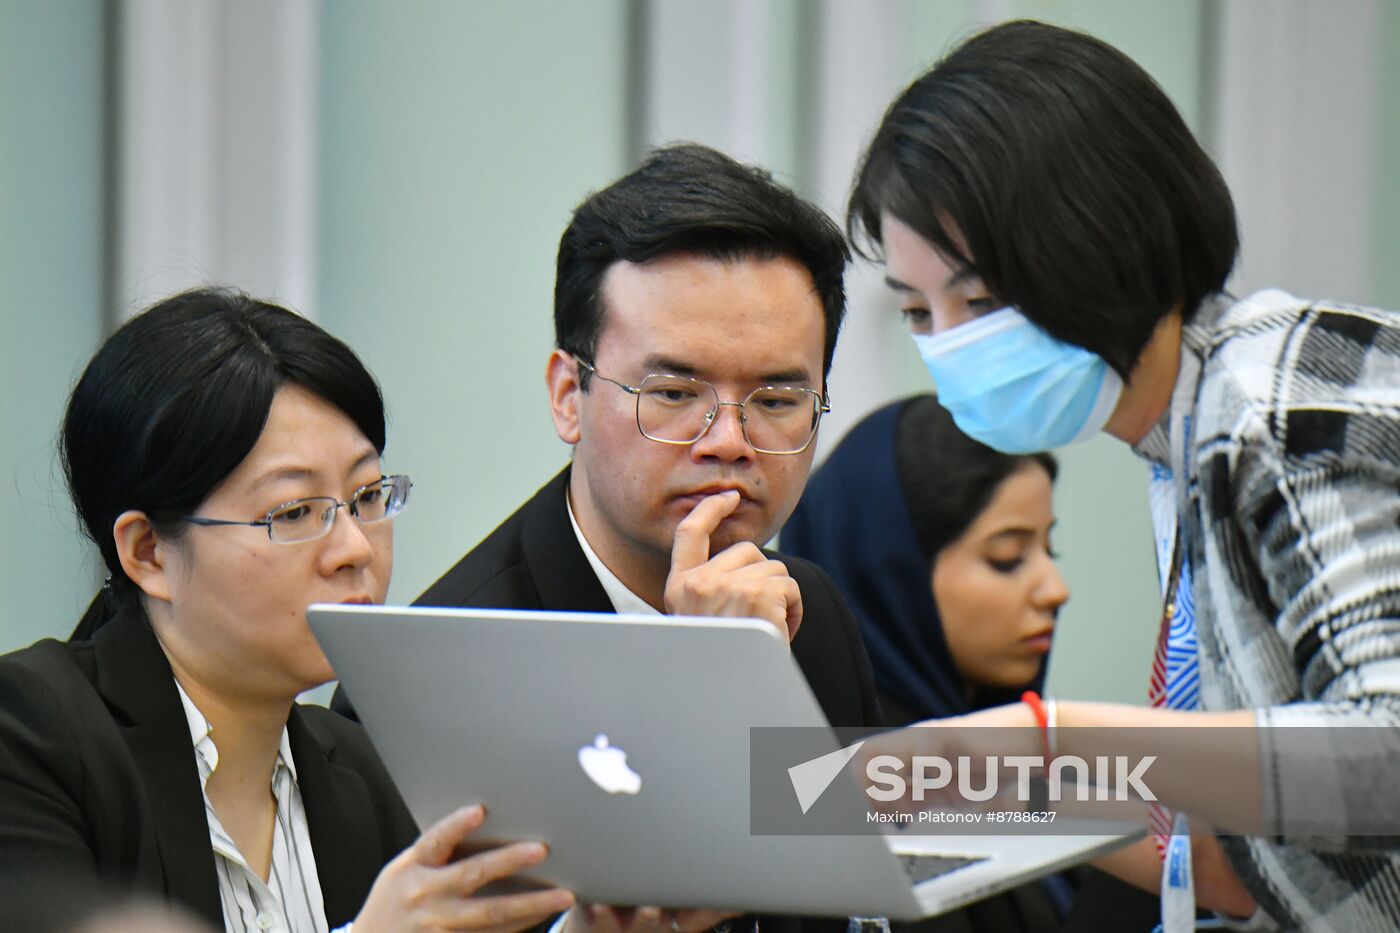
pixel 98 781
pixel 534 561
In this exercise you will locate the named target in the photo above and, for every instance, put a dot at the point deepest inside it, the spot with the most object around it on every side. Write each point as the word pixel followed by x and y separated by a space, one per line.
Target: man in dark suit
pixel 696 309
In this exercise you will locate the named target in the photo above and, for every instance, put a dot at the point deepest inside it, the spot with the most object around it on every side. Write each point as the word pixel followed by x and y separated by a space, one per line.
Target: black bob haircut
pixel 1055 167
pixel 690 199
pixel 175 399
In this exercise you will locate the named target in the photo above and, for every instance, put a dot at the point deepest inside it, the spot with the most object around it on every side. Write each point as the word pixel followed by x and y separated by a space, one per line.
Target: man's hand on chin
pixel 738 582
pixel 600 918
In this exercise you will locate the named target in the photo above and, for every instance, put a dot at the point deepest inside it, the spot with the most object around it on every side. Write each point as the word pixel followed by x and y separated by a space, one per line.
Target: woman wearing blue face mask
pixel 1060 245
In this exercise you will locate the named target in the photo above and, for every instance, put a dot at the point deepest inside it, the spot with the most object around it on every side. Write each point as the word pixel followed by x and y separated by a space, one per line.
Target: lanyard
pixel 1167 499
pixel 1166 492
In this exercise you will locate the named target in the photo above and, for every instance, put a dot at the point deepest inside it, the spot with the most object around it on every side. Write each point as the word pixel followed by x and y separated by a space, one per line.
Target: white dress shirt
pixel 290 900
pixel 624 600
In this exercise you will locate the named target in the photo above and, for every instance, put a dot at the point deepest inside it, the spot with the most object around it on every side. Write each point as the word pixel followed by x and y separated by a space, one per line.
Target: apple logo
pixel 607 767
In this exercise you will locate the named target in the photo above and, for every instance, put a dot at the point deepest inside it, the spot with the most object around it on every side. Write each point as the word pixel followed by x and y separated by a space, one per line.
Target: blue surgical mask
pixel 1015 388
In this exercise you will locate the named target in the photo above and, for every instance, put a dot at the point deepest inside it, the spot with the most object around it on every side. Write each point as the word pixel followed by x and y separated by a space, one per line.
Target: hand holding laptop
pixel 738 582
pixel 424 888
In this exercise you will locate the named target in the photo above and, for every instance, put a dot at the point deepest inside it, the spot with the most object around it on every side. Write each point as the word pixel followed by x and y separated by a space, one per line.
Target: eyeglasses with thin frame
pixel 679 410
pixel 313 517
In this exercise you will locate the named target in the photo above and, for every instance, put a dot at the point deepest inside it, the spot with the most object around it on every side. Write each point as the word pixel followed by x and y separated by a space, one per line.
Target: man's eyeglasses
pixel 312 518
pixel 679 410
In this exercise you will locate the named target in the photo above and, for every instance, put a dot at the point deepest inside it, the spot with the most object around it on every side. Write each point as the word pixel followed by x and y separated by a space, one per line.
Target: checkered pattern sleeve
pixel 1292 518
pixel 1299 493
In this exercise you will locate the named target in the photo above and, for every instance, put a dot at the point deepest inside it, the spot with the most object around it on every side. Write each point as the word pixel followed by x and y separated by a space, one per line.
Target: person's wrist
pixel 1045 713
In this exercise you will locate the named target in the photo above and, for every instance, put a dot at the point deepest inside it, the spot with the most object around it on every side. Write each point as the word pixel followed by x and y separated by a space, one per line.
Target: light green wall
pixel 1387 226
pixel 455 140
pixel 455 137
pixel 51 271
pixel 789 29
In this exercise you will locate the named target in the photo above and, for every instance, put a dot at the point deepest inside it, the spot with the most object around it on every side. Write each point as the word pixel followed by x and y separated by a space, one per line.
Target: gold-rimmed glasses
pixel 679 410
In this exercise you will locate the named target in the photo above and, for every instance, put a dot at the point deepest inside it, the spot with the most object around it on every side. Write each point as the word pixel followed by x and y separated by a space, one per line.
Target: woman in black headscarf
pixel 898 515
pixel 941 546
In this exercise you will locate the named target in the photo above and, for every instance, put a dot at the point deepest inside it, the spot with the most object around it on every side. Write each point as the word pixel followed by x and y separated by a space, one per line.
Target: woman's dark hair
pixel 177 397
pixel 1055 167
pixel 947 477
pixel 689 198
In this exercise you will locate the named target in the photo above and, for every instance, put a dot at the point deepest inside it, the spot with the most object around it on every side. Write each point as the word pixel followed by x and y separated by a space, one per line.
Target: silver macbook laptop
pixel 623 742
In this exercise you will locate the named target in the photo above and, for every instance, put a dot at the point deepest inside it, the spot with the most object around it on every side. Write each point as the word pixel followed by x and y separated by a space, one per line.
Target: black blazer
pixel 533 561
pixel 98 779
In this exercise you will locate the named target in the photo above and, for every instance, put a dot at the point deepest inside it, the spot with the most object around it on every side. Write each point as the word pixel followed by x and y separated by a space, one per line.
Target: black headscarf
pixel 855 522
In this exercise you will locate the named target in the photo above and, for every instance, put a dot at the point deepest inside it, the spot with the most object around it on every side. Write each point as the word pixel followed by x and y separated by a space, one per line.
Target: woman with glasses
pixel 224 455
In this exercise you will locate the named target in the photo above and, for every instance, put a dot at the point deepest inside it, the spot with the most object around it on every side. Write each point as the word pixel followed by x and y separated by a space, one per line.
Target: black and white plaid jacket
pixel 1290 511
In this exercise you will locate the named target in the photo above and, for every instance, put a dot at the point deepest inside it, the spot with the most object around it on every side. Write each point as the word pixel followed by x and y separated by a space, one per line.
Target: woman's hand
pixel 424 889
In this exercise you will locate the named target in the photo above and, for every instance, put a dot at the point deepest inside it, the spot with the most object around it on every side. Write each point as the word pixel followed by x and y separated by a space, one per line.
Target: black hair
pixel 947 477
pixel 1055 167
pixel 175 399
pixel 689 198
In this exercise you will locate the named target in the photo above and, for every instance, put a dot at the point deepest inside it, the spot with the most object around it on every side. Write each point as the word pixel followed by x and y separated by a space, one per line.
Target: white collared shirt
pixel 624 600
pixel 290 900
